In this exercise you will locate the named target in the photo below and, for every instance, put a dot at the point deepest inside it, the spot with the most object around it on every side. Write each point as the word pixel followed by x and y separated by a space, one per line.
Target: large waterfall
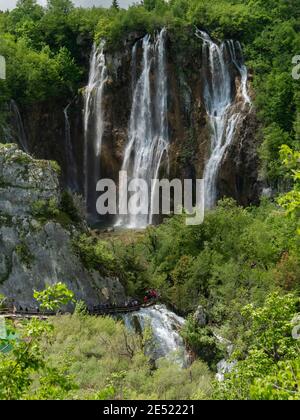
pixel 165 327
pixel 94 125
pixel 223 106
pixel 148 140
pixel 71 170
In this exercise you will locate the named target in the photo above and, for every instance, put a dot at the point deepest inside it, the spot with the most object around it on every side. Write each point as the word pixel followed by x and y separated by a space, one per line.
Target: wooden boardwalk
pixel 112 310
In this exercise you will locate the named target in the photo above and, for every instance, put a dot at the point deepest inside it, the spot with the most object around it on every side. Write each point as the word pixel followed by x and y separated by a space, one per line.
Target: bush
pixel 95 254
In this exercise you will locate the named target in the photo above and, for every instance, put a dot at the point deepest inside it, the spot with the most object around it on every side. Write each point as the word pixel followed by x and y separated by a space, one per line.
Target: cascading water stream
pixel 94 124
pixel 71 170
pixel 236 54
pixel 148 140
pixel 165 327
pixel 220 103
pixel 17 130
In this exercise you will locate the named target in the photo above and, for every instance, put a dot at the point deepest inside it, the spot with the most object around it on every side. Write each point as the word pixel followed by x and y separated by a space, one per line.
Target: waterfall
pixel 236 54
pixel 165 327
pixel 71 169
pixel 17 128
pixel 94 124
pixel 221 104
pixel 148 141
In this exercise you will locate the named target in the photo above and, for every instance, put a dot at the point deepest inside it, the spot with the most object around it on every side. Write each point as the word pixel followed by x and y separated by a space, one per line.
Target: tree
pixel 27 9
pixel 271 366
pixel 54 297
pixel 26 358
pixel 115 5
pixel 291 201
pixel 60 6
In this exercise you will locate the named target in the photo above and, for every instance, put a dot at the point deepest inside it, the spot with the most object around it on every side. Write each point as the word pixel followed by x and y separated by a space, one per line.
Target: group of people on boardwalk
pixel 150 296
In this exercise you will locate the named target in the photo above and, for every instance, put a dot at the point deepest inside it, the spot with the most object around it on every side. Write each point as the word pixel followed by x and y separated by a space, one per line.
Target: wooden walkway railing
pixel 112 310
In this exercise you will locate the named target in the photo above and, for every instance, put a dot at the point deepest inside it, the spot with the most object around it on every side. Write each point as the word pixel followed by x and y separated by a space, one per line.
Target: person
pixel 145 299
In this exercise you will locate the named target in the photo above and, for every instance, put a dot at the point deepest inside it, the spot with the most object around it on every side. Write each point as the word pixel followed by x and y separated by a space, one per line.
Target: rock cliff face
pixel 35 251
pixel 188 121
pixel 189 127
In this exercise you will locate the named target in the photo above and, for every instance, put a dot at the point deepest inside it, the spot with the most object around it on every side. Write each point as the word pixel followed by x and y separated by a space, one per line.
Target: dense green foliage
pixel 108 362
pixel 25 373
pixel 47 52
pixel 270 370
pixel 291 200
pixel 80 356
pixel 235 254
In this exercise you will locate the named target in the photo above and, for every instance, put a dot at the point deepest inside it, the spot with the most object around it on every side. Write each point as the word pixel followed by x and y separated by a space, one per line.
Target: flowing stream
pixel 165 327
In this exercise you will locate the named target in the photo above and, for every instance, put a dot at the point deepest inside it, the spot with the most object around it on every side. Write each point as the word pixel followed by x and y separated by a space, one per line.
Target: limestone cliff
pixel 35 250
pixel 189 128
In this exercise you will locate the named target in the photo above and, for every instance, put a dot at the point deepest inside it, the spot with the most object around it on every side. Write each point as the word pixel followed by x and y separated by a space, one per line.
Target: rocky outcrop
pixel 36 251
pixel 200 316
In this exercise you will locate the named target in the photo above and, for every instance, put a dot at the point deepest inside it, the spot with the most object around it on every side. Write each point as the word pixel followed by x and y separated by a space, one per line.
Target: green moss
pixel 5 276
pixel 68 207
pixel 6 146
pixel 6 220
pixel 45 209
pixel 24 254
pixel 55 166
pixel 21 159
pixel 64 213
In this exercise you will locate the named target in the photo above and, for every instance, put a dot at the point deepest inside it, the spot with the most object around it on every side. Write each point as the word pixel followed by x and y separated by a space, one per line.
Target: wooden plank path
pixel 113 310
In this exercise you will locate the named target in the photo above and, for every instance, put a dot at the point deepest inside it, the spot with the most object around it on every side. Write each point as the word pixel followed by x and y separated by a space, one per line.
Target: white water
pixel 148 141
pixel 17 130
pixel 235 49
pixel 225 366
pixel 94 123
pixel 221 104
pixel 165 326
